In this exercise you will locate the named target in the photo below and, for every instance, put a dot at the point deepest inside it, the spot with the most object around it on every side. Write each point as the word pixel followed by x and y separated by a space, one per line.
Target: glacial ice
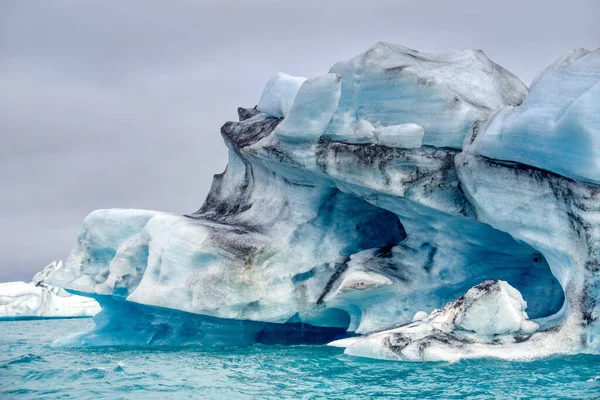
pixel 312 109
pixel 492 308
pixel 557 128
pixel 481 316
pixel 404 136
pixel 357 203
pixel 279 94
pixel 444 93
pixel 38 299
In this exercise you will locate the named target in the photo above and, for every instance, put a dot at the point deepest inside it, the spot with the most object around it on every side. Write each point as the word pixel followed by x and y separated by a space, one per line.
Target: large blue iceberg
pixel 414 206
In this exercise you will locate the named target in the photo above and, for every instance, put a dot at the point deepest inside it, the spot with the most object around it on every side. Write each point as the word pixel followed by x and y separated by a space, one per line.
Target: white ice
pixel 492 311
pixel 312 109
pixel 557 128
pixel 279 94
pixel 37 299
pixel 444 93
pixel 404 136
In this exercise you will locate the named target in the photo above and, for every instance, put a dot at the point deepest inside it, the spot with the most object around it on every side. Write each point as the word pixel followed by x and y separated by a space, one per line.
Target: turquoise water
pixel 31 368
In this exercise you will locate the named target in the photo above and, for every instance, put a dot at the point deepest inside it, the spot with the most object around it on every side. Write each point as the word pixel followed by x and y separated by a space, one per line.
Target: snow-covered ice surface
pixel 38 299
pixel 364 198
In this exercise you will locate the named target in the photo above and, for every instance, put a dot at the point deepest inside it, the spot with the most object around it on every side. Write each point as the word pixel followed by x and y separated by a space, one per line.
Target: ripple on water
pixel 34 369
pixel 40 374
pixel 23 359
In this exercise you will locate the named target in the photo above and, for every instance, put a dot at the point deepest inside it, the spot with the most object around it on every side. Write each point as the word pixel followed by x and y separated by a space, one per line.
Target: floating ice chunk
pixel 404 136
pixel 490 309
pixel 24 300
pixel 39 299
pixel 279 94
pixel 493 308
pixel 557 127
pixel 312 109
pixel 395 344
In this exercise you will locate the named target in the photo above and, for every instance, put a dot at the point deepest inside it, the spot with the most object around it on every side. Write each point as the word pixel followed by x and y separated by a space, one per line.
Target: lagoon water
pixel 30 367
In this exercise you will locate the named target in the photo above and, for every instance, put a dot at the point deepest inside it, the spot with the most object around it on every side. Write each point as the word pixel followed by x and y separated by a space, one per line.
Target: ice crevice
pixel 388 200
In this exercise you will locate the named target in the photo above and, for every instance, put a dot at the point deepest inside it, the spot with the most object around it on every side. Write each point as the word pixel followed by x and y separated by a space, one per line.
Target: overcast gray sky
pixel 115 103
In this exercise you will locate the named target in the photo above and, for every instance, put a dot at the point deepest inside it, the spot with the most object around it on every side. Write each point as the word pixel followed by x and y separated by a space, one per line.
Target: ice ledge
pixel 391 86
pixel 125 323
pixel 488 321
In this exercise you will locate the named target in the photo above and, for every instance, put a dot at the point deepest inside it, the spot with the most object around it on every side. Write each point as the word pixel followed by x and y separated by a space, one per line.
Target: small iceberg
pixel 38 299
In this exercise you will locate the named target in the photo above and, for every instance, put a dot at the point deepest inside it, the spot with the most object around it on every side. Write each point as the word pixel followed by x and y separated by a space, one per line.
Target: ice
pixel 38 299
pixel 131 324
pixel 350 129
pixel 444 93
pixel 557 128
pixel 20 300
pixel 491 312
pixel 405 136
pixel 174 243
pixel 279 94
pixel 111 240
pixel 491 308
pixel 419 316
pixel 344 343
pixel 41 278
pixel 312 109
pixel 366 199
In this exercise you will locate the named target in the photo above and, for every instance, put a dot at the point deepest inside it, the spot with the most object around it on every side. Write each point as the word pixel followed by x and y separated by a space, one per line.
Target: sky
pixel 112 103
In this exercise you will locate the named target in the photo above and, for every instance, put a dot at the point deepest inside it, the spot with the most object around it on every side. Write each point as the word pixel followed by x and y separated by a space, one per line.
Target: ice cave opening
pixel 515 262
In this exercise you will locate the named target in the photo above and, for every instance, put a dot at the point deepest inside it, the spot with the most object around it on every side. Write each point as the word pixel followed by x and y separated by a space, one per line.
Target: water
pixel 31 368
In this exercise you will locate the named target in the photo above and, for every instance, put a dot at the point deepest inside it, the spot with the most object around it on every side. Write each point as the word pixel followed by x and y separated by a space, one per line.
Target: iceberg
pixel 38 299
pixel 404 205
